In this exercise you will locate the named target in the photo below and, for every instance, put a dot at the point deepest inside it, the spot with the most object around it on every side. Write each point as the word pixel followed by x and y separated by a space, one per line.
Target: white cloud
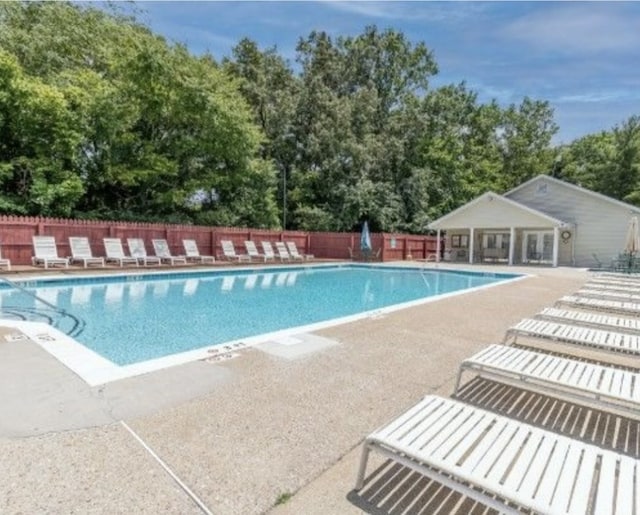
pixel 409 11
pixel 600 96
pixel 581 27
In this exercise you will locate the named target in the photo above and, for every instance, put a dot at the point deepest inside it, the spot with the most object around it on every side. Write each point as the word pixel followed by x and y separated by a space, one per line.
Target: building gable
pixel 494 211
pixel 557 198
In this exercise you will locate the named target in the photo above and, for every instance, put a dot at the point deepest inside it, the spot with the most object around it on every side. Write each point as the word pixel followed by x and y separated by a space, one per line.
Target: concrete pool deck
pixel 249 432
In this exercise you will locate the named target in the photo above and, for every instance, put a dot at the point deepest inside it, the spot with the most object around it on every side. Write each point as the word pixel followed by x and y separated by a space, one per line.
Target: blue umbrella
pixel 365 238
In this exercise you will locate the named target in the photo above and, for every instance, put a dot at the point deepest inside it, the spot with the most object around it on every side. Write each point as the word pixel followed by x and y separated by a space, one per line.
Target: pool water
pixel 130 319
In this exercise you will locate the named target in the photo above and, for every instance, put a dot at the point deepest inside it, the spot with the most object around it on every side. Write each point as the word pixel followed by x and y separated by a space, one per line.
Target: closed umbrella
pixel 365 240
pixel 632 244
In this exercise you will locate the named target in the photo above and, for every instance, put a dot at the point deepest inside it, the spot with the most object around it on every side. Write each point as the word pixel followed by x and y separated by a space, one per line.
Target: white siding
pixel 600 224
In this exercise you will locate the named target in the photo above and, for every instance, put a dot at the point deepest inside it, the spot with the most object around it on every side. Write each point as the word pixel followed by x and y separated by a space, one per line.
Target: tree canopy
pixel 102 118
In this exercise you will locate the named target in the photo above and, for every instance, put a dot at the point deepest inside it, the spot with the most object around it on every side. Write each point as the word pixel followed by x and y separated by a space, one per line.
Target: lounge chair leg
pixel 363 466
pixel 458 381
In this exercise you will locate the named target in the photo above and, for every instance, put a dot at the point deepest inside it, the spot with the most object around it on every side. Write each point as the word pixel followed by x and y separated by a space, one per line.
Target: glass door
pixel 537 246
pixel 547 246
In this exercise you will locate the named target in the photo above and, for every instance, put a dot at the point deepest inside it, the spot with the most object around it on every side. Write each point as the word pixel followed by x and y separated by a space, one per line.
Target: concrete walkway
pixel 248 434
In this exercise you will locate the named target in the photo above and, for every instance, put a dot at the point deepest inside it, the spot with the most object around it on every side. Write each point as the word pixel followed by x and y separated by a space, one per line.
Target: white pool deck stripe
pixel 96 370
pixel 168 470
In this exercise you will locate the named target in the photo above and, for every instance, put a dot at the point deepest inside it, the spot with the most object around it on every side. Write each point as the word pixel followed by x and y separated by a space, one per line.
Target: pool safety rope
pixel 173 475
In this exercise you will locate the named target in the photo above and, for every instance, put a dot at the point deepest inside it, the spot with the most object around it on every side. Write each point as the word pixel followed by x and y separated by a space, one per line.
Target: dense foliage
pixel 101 118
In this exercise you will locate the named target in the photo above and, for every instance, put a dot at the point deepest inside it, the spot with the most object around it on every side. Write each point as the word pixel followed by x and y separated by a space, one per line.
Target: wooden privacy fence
pixel 16 238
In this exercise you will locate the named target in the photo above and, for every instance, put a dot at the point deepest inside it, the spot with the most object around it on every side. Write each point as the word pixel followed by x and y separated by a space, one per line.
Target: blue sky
pixel 582 57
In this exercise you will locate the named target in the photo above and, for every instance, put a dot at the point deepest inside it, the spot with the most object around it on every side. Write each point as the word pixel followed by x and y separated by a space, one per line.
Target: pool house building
pixel 542 221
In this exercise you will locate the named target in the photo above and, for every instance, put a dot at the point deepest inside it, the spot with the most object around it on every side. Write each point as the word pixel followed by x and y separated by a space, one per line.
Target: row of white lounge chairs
pixel 510 465
pixel 46 253
pixel 284 251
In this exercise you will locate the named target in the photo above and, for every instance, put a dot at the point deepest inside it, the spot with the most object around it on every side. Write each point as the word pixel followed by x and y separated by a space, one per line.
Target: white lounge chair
pixel 617 288
pixel 281 250
pixel 574 334
pixel 268 250
pixel 608 294
pixel 161 248
pixel 489 457
pixel 293 250
pixel 602 387
pixel 193 254
pixel 586 318
pixel 46 253
pixel 597 283
pixel 81 252
pixel 253 253
pixel 619 276
pixel 138 251
pixel 613 306
pixel 115 252
pixel 4 261
pixel 229 252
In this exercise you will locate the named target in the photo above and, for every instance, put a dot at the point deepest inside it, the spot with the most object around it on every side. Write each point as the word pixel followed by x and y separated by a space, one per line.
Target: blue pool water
pixel 129 319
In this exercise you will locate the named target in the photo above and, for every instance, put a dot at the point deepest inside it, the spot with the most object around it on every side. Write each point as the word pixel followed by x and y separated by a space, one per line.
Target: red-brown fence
pixel 16 238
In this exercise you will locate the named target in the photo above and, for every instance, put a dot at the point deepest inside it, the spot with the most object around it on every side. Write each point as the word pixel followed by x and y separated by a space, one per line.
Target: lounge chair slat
pixel 624 503
pixel 459 438
pixel 502 467
pixel 457 453
pixel 570 470
pixel 586 470
pixel 422 410
pixel 421 436
pixel 606 494
pixel 553 474
pixel 498 450
pixel 537 466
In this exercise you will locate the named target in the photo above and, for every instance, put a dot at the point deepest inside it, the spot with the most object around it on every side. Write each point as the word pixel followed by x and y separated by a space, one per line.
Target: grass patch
pixel 283 498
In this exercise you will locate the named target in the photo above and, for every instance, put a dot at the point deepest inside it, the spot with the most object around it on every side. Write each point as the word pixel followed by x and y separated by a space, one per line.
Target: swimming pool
pixel 132 319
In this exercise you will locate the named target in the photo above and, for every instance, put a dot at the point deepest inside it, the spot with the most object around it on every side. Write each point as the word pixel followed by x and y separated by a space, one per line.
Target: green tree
pixel 525 141
pixel 37 145
pixel 145 126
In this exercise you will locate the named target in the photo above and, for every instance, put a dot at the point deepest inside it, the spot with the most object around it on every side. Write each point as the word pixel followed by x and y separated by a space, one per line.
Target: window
pixel 495 240
pixel 459 241
pixel 541 189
